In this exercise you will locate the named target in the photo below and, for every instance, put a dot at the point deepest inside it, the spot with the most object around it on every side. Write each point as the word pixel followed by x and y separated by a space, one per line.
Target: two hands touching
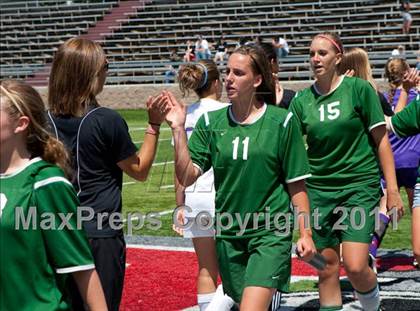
pixel 165 107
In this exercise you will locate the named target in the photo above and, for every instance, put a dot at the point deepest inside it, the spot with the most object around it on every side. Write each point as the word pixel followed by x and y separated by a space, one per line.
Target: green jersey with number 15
pixel 341 150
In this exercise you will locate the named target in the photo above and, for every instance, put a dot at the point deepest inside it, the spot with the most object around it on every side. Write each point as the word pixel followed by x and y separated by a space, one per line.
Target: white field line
pixel 160 139
pixel 162 248
pixel 160 214
pixel 135 129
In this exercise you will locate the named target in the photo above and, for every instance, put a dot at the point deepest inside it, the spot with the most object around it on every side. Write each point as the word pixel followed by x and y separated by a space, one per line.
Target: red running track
pixel 165 280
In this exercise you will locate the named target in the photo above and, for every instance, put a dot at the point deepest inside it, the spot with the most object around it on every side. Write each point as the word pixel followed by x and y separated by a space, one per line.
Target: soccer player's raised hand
pixel 176 116
pixel 157 109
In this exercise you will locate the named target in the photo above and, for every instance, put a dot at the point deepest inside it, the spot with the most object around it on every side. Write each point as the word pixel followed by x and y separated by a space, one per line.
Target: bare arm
pixel 90 289
pixel 138 165
pixel 305 244
pixel 185 171
pixel 386 159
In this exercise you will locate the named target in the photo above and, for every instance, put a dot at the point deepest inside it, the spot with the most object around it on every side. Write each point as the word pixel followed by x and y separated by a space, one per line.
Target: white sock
pixel 204 300
pixel 220 301
pixel 370 301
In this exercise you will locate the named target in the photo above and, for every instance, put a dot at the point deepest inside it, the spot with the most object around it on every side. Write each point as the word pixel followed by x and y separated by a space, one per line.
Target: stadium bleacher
pixel 138 44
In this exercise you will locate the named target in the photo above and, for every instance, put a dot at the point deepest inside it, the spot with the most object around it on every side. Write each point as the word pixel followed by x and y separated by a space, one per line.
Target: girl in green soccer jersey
pixel 34 254
pixel 345 129
pixel 259 162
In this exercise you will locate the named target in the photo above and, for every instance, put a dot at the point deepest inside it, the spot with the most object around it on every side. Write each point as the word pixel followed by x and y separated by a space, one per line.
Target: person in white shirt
pixel 282 47
pixel 198 199
pixel 202 50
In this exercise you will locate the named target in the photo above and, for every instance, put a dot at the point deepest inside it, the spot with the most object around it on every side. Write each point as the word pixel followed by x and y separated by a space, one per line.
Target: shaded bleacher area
pixel 139 47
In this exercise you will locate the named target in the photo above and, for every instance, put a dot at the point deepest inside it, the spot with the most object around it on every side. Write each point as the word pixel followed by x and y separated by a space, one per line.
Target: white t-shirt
pixel 203 45
pixel 283 42
pixel 200 196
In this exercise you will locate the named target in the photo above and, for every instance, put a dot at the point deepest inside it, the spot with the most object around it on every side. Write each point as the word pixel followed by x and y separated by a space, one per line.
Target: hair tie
pixel 206 75
pixel 332 42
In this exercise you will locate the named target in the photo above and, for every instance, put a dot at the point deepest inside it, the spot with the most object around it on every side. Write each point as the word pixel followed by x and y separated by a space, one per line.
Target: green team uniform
pixel 252 165
pixel 342 158
pixel 34 261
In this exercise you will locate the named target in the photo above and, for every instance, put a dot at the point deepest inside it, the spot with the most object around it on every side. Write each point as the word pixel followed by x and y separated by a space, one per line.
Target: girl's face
pixel 323 57
pixel 7 124
pixel 10 127
pixel 241 82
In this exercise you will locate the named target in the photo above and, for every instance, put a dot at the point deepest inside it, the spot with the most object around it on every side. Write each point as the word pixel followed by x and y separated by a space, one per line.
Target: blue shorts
pixel 416 201
pixel 406 177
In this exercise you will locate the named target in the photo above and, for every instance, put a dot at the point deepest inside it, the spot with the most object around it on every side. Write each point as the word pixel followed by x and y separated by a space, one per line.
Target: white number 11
pixel 235 143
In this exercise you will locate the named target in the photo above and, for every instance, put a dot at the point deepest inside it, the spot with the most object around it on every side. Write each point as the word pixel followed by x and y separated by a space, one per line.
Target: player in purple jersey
pixel 402 81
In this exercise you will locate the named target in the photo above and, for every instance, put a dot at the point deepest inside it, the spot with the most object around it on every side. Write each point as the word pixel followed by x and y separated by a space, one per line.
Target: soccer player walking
pixel 346 132
pixel 259 163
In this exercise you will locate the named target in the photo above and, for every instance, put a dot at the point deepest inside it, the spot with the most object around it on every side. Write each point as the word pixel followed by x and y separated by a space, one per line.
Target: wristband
pixel 154 124
pixel 150 130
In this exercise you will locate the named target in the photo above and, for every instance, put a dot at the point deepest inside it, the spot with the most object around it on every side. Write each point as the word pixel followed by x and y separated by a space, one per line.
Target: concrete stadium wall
pixel 135 96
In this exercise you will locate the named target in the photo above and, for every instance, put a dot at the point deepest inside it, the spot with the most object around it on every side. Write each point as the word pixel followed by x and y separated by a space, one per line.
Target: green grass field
pixel 157 193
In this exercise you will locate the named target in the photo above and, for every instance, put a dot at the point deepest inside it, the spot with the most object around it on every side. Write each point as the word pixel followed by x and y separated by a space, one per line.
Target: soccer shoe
pixel 372 263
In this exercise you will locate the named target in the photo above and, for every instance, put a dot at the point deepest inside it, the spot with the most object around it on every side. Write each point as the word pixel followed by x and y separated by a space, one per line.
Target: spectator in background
pixel 398 52
pixel 281 46
pixel 407 18
pixel 172 68
pixel 189 55
pixel 202 50
pixel 221 50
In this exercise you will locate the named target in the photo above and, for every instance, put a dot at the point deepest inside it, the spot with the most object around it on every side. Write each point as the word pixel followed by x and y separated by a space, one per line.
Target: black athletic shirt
pixel 287 98
pixel 102 142
pixel 386 107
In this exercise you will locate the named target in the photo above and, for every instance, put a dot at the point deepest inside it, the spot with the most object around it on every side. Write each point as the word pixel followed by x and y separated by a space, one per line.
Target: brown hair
pixel 334 39
pixel 358 60
pixel 197 77
pixel 74 81
pixel 260 65
pixel 394 72
pixel 23 100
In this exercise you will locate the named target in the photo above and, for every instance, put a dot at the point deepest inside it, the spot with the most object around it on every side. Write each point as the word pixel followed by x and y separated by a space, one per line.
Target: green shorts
pixel 263 261
pixel 343 215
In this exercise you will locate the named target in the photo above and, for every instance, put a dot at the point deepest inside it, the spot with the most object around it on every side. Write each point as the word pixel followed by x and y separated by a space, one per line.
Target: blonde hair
pixel 334 39
pixel 358 60
pixel 21 99
pixel 394 72
pixel 260 65
pixel 197 77
pixel 74 78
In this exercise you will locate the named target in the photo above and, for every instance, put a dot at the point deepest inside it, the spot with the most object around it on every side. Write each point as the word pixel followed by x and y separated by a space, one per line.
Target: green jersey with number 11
pixel 252 165
pixel 341 150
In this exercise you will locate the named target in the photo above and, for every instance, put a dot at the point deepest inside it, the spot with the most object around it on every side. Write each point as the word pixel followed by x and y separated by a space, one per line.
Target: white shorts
pixel 416 201
pixel 406 17
pixel 197 227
